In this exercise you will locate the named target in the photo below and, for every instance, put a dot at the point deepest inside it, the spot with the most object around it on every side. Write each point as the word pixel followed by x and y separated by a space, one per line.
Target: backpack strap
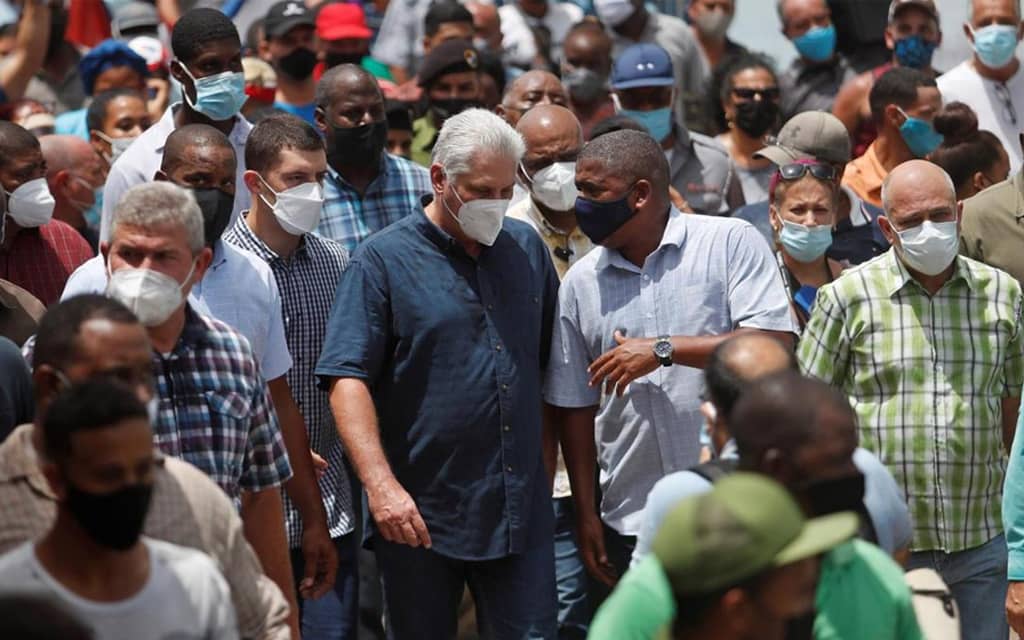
pixel 714 470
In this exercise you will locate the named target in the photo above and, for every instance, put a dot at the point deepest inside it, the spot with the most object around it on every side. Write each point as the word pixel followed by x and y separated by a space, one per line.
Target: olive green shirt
pixel 993 226
pixel 424 135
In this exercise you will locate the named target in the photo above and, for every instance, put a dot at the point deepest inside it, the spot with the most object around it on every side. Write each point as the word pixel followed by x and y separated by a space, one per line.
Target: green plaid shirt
pixel 926 376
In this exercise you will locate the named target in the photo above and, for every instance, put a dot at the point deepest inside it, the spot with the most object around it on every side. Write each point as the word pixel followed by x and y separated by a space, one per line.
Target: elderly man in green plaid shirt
pixel 927 345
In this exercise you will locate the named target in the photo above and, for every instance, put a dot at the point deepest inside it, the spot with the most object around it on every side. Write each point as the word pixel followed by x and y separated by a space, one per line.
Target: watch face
pixel 663 349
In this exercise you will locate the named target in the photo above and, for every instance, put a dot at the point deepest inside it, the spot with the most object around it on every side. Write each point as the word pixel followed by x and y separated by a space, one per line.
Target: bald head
pixel 739 361
pixel 915 179
pixel 587 45
pixel 529 90
pixel 192 139
pixel 547 121
pixel 65 152
pixel 341 80
pixel 486 23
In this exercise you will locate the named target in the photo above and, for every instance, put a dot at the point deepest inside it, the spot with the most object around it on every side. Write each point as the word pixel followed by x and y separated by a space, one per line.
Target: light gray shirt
pixel 708 276
pixel 702 172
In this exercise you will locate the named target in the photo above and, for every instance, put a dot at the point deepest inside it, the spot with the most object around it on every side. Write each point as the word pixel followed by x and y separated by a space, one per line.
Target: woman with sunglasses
pixel 749 110
pixel 802 210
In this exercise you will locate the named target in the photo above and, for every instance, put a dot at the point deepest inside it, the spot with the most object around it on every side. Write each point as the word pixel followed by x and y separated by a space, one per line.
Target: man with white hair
pixel 213 408
pixel 927 346
pixel 434 355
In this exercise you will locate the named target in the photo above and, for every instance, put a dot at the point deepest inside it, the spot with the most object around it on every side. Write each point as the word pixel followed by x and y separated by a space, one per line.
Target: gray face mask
pixel 583 84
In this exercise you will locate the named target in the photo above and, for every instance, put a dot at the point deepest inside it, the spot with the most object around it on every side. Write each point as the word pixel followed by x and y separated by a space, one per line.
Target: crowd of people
pixel 546 319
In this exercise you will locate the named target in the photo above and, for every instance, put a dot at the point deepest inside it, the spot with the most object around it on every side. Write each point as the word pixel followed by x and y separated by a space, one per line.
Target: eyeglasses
pixel 1004 97
pixel 768 93
pixel 796 171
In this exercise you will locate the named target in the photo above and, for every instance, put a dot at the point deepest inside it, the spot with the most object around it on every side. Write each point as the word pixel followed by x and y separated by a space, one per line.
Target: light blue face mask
pixel 920 136
pixel 93 214
pixel 218 97
pixel 995 44
pixel 803 243
pixel 818 44
pixel 658 122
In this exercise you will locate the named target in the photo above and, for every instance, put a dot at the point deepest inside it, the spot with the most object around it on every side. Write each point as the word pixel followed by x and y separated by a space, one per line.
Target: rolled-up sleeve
pixel 757 297
pixel 359 328
pixel 567 379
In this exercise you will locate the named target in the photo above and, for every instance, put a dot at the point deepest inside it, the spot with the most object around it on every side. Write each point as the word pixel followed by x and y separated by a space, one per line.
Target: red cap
pixel 341 20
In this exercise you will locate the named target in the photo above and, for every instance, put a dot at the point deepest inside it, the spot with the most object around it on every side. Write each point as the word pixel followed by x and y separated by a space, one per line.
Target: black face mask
pixel 357 146
pixel 444 109
pixel 845 493
pixel 217 207
pixel 298 64
pixel 332 60
pixel 113 520
pixel 599 220
pixel 801 628
pixel 756 117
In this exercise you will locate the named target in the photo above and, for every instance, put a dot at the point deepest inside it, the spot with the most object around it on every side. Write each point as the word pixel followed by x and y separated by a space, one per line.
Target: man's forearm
pixel 577 437
pixel 29 49
pixel 694 351
pixel 263 521
pixel 302 488
pixel 356 417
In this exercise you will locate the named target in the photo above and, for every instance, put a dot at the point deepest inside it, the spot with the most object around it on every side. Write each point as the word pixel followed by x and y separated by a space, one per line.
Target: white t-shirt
pixel 996 108
pixel 185 597
pixel 517 38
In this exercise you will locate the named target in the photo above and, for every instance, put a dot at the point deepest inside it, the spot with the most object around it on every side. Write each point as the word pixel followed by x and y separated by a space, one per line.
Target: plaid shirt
pixel 41 259
pixel 307 282
pixel 215 410
pixel 926 376
pixel 348 217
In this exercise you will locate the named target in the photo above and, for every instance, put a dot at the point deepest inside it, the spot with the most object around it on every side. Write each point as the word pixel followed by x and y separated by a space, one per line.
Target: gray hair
pixel 887 206
pixel 474 131
pixel 160 204
pixel 970 9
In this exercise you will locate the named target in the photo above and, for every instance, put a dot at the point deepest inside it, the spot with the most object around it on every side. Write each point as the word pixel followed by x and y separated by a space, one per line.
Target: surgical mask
pixel 995 44
pixel 152 296
pixel 713 24
pixel 31 204
pixel 554 186
pixel 217 207
pixel 757 117
pixel 658 122
pixel 86 207
pixel 218 97
pixel 112 520
pixel 297 209
pixel 584 85
pixel 803 243
pixel 480 219
pixel 818 44
pixel 614 12
pixel 845 493
pixel 117 146
pixel 298 64
pixel 599 220
pixel 920 136
pixel 929 247
pixel 914 52
pixel 359 146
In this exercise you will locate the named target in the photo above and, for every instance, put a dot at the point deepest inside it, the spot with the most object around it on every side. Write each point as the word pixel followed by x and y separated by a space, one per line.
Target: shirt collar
pixel 237 137
pixel 546 228
pixel 195 331
pixel 1018 183
pixel 674 235
pixel 384 165
pixel 256 245
pixel 902 278
pixel 434 233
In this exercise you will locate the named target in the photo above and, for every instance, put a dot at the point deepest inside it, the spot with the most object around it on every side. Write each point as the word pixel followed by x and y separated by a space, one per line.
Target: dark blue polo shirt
pixel 453 350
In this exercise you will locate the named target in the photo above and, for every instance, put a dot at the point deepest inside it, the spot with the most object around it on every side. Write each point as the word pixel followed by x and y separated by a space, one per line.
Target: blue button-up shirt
pixel 349 217
pixel 453 350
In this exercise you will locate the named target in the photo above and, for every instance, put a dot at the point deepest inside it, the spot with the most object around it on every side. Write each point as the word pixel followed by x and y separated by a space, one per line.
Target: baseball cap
pixel 448 57
pixel 134 15
pixel 258 73
pixel 285 16
pixel 151 50
pixel 643 65
pixel 814 134
pixel 342 20
pixel 899 5
pixel 746 524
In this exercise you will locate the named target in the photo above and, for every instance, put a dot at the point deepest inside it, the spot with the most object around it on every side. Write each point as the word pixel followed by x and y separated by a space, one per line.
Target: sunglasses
pixel 769 93
pixel 796 171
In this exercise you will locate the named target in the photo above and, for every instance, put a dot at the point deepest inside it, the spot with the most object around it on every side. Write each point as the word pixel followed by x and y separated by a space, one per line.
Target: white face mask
pixel 614 12
pixel 930 247
pixel 297 209
pixel 31 204
pixel 480 219
pixel 554 186
pixel 152 296
pixel 117 146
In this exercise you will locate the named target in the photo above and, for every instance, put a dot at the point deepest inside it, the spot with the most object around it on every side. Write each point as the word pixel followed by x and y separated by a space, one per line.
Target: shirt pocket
pixel 230 414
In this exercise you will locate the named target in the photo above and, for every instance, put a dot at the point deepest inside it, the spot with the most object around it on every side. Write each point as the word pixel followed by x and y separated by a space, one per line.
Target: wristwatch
pixel 663 351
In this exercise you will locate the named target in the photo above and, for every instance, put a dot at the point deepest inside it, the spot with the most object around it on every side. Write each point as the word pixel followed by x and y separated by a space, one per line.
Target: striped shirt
pixel 215 411
pixel 708 276
pixel 307 282
pixel 349 217
pixel 926 376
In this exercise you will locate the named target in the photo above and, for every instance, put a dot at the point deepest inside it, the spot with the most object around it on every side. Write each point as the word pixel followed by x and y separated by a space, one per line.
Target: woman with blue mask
pixel 748 108
pixel 802 210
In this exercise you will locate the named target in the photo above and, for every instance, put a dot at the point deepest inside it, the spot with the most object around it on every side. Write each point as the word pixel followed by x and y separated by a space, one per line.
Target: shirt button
pixel 509 468
pixel 490 307
pixel 507 428
pixel 497 347
pixel 647 277
pixel 504 387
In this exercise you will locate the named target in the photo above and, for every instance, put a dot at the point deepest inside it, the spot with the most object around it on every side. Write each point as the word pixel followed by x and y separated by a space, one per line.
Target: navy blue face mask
pixel 599 220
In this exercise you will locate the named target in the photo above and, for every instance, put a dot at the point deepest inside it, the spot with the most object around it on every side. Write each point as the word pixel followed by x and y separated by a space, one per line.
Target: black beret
pixel 451 56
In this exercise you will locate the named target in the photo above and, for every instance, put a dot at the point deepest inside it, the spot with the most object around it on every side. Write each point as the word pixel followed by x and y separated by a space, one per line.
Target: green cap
pixel 746 524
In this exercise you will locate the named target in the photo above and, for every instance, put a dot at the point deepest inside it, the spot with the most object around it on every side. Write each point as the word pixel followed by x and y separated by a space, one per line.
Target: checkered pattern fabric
pixel 40 260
